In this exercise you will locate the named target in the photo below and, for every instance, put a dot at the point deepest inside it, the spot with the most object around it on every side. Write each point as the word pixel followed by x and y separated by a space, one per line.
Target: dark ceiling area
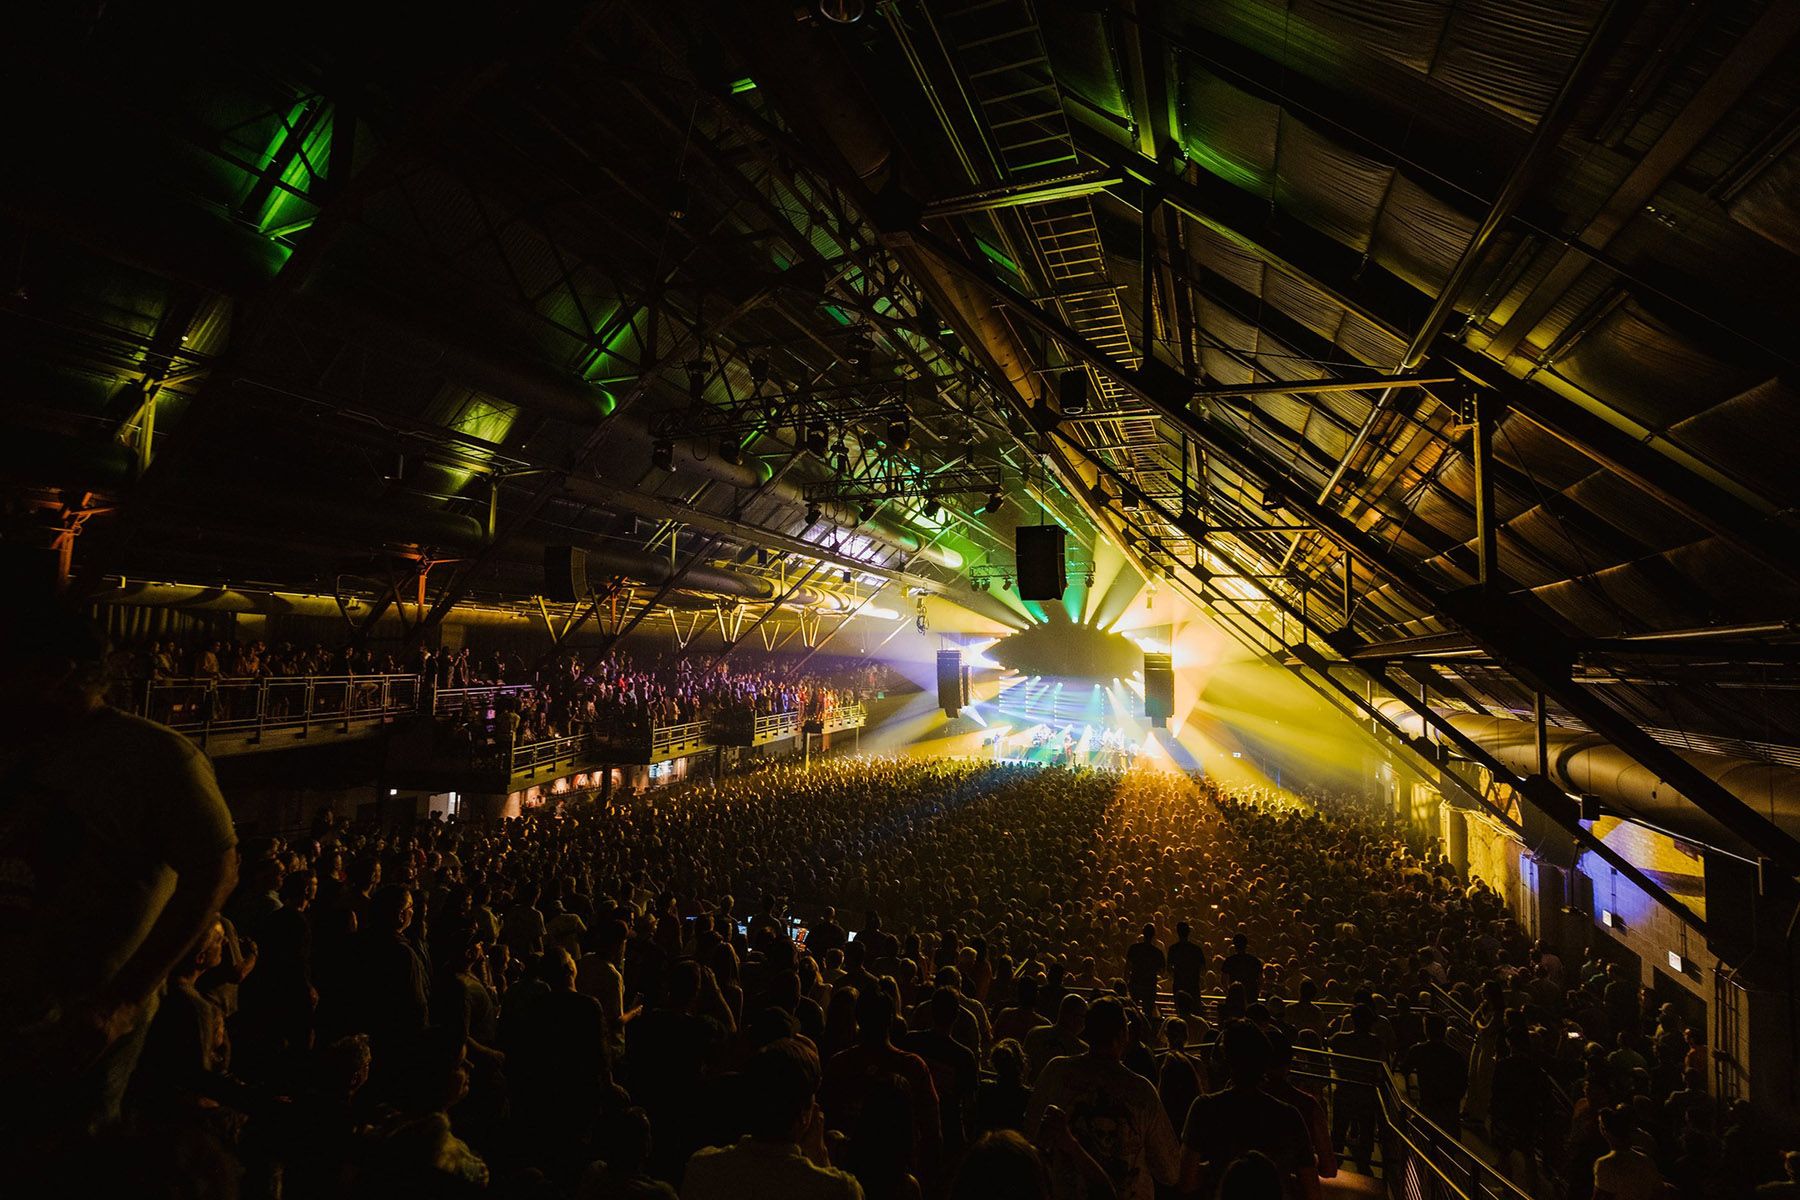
pixel 1445 340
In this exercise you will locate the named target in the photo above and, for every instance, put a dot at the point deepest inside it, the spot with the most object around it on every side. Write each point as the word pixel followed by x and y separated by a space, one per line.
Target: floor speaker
pixel 950 682
pixel 1159 689
pixel 1040 553
pixel 565 573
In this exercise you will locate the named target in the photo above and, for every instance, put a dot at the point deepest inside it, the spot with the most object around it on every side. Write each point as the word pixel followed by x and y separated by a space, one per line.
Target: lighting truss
pixel 904 480
pixel 872 402
pixel 985 575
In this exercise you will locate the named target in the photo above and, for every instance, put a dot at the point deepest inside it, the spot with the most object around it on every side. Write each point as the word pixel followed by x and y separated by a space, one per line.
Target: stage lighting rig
pixel 988 575
pixel 994 501
pixel 904 481
pixel 662 456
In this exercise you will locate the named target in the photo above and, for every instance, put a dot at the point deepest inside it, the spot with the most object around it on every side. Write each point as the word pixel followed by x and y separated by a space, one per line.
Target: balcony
pixel 244 716
pixel 491 768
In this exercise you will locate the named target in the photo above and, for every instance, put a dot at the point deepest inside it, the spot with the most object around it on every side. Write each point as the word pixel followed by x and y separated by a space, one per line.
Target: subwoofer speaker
pixel 950 681
pixel 1039 549
pixel 1159 689
pixel 565 573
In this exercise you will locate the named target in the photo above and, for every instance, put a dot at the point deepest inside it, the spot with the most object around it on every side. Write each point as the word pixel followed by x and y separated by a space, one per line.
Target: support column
pixel 1456 838
pixel 1486 541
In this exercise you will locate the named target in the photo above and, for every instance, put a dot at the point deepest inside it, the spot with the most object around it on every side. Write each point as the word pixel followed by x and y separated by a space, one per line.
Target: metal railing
pixel 849 716
pixel 671 739
pixel 1418 1158
pixel 552 752
pixel 774 727
pixel 246 709
pixel 451 702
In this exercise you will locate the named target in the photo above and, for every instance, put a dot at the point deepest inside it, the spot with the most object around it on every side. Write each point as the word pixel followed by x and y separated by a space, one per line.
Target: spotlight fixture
pixel 662 456
pixel 846 575
pixel 696 373
pixel 932 509
pixel 812 514
pixel 994 501
pixel 1007 583
pixel 864 511
pixel 1090 580
pixel 815 439
pixel 730 451
pixel 899 433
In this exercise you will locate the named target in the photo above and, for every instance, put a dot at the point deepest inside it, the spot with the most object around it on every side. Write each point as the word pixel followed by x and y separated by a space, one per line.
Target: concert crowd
pixel 866 977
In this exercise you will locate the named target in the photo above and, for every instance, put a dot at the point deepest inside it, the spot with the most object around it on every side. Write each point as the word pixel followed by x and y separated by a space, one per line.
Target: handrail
pixel 663 737
pixel 773 724
pixel 448 701
pixel 253 705
pixel 1430 1144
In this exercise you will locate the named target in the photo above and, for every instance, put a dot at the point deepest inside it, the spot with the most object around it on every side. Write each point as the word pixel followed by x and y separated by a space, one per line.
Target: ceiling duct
pixel 1583 763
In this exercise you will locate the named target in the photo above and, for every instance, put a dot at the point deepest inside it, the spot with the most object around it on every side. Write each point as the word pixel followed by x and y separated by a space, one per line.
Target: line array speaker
pixel 950 681
pixel 565 573
pixel 1159 689
pixel 1042 574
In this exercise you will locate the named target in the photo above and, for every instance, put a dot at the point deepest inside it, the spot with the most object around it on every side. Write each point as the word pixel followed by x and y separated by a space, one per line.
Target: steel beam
pixel 1017 195
pixel 1315 386
pixel 1540 793
pixel 1511 631
pixel 1643 457
pixel 1539 151
pixel 1726 83
pixel 1487 522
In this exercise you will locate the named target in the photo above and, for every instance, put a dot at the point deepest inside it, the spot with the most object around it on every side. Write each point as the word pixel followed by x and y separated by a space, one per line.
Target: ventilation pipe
pixel 1582 763
pixel 297 604
pixel 370 521
pixel 38 456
